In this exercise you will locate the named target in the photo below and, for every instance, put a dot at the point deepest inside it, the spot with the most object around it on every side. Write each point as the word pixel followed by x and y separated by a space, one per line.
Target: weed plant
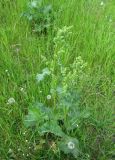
pixel 57 79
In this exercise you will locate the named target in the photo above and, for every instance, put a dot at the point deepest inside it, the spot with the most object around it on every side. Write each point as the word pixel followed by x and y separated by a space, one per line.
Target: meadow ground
pixel 73 56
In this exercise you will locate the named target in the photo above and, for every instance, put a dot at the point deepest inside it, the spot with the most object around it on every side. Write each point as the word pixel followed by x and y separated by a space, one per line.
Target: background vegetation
pixel 73 40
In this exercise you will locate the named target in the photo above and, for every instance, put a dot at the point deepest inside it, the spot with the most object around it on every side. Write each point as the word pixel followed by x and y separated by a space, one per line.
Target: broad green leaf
pixel 51 127
pixel 71 123
pixel 47 9
pixel 45 71
pixel 39 77
pixel 37 114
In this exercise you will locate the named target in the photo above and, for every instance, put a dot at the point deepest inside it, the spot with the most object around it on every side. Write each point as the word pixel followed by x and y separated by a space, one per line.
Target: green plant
pixel 64 116
pixel 23 55
pixel 40 16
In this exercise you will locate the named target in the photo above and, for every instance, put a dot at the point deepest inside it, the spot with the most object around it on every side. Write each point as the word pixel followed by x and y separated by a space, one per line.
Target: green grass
pixel 92 38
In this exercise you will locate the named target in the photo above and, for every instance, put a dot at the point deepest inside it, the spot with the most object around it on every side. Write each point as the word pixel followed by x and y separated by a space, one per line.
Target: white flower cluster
pixel 62 33
pixel 73 74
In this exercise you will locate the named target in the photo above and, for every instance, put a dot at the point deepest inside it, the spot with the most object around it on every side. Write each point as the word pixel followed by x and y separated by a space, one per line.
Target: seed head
pixel 11 101
pixel 71 145
pixel 49 97
pixel 102 3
